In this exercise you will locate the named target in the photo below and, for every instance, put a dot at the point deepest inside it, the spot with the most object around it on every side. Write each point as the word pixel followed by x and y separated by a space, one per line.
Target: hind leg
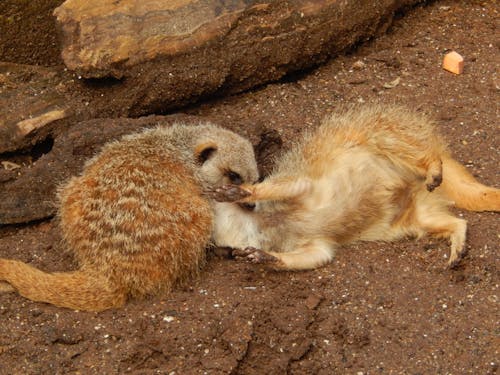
pixel 313 254
pixel 277 190
pixel 443 224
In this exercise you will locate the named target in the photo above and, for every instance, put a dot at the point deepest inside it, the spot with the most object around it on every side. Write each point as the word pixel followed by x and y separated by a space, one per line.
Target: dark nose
pixel 247 206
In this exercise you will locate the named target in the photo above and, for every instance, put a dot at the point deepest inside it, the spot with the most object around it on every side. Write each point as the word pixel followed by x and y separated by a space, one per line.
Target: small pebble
pixel 358 65
pixel 493 298
pixel 10 166
pixel 392 84
pixel 453 62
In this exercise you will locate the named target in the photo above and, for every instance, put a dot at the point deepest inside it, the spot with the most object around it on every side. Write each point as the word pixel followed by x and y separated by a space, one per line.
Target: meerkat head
pixel 224 158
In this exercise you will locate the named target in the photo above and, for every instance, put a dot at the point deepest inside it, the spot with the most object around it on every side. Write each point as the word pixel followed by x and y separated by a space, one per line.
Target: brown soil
pixel 378 308
pixel 28 32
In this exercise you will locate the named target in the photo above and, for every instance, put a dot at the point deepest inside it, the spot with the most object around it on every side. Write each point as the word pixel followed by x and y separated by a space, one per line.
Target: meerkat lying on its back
pixel 136 218
pixel 364 175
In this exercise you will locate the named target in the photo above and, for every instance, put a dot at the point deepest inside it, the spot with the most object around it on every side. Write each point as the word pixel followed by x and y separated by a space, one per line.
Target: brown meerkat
pixel 136 218
pixel 367 174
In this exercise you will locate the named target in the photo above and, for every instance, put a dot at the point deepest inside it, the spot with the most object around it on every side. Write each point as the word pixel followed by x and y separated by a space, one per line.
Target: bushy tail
pixel 465 191
pixel 76 290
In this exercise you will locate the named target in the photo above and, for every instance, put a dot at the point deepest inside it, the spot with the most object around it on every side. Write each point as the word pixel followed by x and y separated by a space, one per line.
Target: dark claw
pixel 254 255
pixel 457 262
pixel 436 181
pixel 242 253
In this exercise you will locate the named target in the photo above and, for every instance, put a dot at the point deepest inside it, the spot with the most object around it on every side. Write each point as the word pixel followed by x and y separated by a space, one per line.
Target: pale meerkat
pixel 136 219
pixel 367 174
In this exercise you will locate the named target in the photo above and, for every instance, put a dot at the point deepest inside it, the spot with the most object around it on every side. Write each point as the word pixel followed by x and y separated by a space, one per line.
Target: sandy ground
pixel 379 308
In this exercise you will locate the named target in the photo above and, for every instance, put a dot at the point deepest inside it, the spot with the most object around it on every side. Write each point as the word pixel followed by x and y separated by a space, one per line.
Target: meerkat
pixel 370 173
pixel 136 218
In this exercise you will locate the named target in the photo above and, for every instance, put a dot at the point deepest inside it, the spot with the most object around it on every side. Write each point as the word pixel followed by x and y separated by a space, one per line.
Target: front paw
pixel 229 193
pixel 254 255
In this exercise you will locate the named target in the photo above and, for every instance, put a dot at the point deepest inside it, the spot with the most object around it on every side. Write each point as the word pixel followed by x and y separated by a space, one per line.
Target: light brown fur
pixel 136 219
pixel 370 173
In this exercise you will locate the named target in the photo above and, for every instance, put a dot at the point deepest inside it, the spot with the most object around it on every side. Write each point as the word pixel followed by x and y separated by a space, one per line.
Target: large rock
pixel 161 55
pixel 169 53
pixel 32 101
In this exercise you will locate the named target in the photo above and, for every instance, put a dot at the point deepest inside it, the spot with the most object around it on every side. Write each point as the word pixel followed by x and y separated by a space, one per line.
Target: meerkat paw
pixel 433 182
pixel 254 255
pixel 455 258
pixel 434 175
pixel 229 193
pixel 458 248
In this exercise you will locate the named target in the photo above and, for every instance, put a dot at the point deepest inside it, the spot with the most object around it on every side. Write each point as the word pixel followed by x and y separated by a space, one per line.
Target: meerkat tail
pixel 465 191
pixel 76 290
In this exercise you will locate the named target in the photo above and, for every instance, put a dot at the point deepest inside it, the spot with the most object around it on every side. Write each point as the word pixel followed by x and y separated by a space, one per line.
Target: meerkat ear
pixel 205 151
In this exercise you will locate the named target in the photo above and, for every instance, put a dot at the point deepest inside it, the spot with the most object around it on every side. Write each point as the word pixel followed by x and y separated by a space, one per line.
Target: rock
pixel 453 62
pixel 392 84
pixel 30 99
pixel 147 57
pixel 106 37
pixel 10 166
pixel 167 54
pixel 358 65
pixel 312 301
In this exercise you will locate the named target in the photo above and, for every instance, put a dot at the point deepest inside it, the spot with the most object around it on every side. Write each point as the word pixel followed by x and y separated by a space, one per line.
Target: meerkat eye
pixel 206 154
pixel 234 177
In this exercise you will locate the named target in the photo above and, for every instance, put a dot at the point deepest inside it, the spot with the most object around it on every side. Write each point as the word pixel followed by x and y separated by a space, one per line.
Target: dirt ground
pixel 379 308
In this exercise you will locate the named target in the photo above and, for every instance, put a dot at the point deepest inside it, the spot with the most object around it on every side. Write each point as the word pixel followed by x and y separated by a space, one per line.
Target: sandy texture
pixel 377 309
